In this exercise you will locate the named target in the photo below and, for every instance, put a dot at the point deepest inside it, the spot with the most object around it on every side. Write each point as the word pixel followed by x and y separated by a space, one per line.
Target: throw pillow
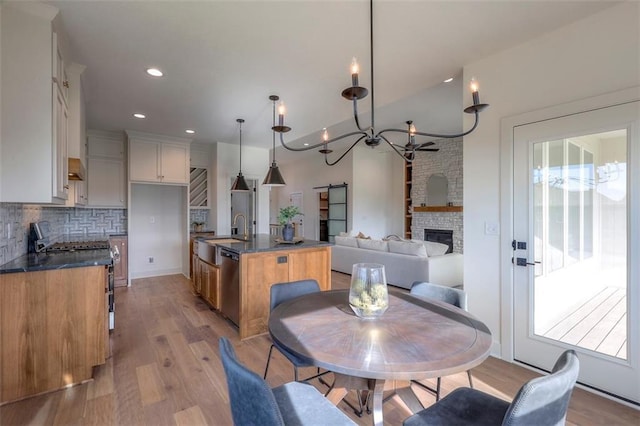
pixel 346 241
pixel 435 249
pixel 373 244
pixel 408 247
pixel 362 236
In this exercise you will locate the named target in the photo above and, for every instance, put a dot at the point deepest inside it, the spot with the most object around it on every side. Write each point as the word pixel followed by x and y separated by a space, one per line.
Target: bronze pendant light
pixel 240 185
pixel 274 177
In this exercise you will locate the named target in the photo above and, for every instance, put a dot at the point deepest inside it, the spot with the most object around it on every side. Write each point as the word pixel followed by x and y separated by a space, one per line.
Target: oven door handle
pixel 115 253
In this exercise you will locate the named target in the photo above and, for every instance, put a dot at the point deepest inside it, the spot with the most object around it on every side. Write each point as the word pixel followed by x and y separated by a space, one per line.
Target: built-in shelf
pixel 436 209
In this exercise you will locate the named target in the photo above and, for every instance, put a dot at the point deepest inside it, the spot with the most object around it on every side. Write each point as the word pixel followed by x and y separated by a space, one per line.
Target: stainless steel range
pixel 40 242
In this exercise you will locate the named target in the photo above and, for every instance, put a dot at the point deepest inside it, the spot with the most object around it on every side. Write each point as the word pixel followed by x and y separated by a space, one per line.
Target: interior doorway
pixel 323 215
pixel 244 203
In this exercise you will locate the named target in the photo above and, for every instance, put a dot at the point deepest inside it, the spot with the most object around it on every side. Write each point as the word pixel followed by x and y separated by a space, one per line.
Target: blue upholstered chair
pixel 541 401
pixel 283 292
pixel 254 403
pixel 452 296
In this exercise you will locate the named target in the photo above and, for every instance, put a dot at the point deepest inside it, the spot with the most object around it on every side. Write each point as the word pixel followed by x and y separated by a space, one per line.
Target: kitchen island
pixel 248 268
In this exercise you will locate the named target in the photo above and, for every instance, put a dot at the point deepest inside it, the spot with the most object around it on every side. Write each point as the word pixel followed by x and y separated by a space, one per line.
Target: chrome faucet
pixel 235 218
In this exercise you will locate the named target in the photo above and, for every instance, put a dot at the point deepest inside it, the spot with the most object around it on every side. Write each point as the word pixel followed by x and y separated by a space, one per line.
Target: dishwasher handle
pixel 229 254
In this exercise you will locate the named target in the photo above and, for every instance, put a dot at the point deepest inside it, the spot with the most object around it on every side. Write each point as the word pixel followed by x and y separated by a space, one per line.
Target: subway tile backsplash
pixel 15 220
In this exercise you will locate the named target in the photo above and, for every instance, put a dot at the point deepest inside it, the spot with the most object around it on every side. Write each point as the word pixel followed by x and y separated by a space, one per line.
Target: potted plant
pixel 197 226
pixel 284 218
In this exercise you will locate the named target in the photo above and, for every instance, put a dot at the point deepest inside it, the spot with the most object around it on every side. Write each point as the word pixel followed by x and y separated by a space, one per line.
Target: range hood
pixel 76 169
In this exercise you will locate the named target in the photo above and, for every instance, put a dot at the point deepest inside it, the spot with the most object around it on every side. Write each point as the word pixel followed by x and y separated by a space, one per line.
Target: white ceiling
pixel 222 59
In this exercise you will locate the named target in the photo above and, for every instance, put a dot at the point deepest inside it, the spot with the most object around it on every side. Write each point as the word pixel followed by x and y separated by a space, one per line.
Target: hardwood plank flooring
pixel 165 370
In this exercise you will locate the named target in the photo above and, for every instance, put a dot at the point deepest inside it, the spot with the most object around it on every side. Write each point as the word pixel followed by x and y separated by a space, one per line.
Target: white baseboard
pixel 157 273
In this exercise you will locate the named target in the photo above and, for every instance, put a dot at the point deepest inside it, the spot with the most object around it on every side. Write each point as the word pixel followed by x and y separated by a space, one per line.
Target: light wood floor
pixel 165 370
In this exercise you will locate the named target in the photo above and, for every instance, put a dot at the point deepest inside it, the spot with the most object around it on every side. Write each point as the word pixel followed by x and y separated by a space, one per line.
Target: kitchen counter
pixel 260 243
pixel 60 260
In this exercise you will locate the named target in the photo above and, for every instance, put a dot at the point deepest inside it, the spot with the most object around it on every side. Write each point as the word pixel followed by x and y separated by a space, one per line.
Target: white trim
pixel 157 138
pixel 157 273
pixel 507 125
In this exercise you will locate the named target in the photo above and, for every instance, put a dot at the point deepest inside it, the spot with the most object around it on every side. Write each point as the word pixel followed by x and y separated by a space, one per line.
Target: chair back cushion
pixel 282 292
pixel 252 401
pixel 452 296
pixel 544 400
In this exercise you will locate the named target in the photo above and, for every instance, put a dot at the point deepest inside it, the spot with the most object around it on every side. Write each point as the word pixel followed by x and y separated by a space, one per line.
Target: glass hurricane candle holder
pixel 368 295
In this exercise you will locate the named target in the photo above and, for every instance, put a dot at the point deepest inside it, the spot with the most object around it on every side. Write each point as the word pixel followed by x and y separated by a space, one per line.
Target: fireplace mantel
pixel 436 209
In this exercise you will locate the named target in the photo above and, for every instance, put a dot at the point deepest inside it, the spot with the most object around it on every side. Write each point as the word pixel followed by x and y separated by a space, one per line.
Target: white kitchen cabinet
pixel 33 166
pixel 106 175
pixel 106 183
pixel 158 159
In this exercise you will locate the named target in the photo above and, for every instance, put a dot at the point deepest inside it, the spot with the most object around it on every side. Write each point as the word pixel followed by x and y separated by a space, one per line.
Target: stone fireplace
pixel 440 236
pixel 447 161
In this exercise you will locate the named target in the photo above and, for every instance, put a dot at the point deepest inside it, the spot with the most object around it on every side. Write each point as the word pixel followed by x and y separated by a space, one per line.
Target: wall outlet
pixel 150 259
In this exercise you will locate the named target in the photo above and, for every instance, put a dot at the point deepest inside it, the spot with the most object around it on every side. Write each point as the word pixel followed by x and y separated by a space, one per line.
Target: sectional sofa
pixel 405 261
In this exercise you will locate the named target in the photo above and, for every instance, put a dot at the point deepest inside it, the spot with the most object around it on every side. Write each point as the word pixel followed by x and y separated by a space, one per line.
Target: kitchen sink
pixel 224 241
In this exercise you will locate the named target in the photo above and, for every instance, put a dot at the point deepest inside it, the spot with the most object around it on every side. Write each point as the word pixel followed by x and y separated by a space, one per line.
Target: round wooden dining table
pixel 416 338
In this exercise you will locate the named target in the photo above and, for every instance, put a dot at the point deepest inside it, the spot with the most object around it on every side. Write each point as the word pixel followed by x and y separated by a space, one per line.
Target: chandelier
pixel 370 135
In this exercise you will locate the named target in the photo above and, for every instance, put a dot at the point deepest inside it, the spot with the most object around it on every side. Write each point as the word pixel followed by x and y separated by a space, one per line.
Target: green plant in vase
pixel 285 217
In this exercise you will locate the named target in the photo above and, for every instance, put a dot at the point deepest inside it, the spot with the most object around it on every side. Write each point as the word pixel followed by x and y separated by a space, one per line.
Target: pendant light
pixel 274 177
pixel 240 185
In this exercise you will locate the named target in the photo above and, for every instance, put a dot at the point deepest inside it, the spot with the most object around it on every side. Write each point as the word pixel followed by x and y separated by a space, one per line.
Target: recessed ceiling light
pixel 155 72
pixel 306 144
pixel 449 80
pixel 138 115
pixel 190 131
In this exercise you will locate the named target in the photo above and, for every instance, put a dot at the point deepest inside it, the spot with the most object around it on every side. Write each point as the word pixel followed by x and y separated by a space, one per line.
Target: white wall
pixel 157 228
pixel 255 164
pixel 303 176
pixel 597 55
pixel 373 186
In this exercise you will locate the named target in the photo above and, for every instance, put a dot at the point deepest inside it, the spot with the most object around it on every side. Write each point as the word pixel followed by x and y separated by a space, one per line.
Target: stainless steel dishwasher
pixel 230 285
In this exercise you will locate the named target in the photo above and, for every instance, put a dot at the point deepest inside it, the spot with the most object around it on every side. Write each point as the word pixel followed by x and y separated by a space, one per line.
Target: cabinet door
pixel 143 161
pixel 106 147
pixel 106 183
pixel 174 161
pixel 197 275
pixel 60 187
pixel 210 284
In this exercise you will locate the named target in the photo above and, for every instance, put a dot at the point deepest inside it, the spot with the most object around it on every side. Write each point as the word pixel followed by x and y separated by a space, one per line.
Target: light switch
pixel 491 228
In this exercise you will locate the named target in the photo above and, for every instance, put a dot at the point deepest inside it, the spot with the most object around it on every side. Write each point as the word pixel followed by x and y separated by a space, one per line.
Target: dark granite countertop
pixel 61 260
pixel 260 243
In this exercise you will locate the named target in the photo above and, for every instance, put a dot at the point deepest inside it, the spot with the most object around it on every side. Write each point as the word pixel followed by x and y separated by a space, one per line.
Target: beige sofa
pixel 405 261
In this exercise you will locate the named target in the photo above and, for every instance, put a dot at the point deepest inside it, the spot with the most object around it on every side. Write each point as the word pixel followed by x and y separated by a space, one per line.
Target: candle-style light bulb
pixel 473 85
pixel 355 68
pixel 412 134
pixel 325 134
pixel 281 111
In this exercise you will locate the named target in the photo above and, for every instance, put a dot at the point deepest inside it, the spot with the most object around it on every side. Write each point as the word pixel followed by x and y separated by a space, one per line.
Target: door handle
pixel 521 261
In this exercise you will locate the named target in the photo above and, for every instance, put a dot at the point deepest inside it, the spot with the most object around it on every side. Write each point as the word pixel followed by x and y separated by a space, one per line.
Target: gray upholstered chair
pixel 254 403
pixel 541 401
pixel 280 293
pixel 452 296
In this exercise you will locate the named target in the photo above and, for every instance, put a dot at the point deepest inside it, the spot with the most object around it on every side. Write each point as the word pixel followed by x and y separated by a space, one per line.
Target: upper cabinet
pixel 158 159
pixel 34 110
pixel 106 171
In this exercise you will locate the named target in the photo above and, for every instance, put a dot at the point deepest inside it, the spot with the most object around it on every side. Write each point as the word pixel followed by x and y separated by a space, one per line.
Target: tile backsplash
pixel 15 220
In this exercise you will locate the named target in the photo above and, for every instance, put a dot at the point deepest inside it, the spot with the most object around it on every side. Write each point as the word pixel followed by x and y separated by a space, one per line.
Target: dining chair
pixel 541 401
pixel 283 292
pixel 452 296
pixel 254 403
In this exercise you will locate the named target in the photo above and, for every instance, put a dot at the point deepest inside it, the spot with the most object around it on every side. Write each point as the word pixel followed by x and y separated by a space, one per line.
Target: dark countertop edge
pixel 101 262
pixel 44 262
pixel 263 243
